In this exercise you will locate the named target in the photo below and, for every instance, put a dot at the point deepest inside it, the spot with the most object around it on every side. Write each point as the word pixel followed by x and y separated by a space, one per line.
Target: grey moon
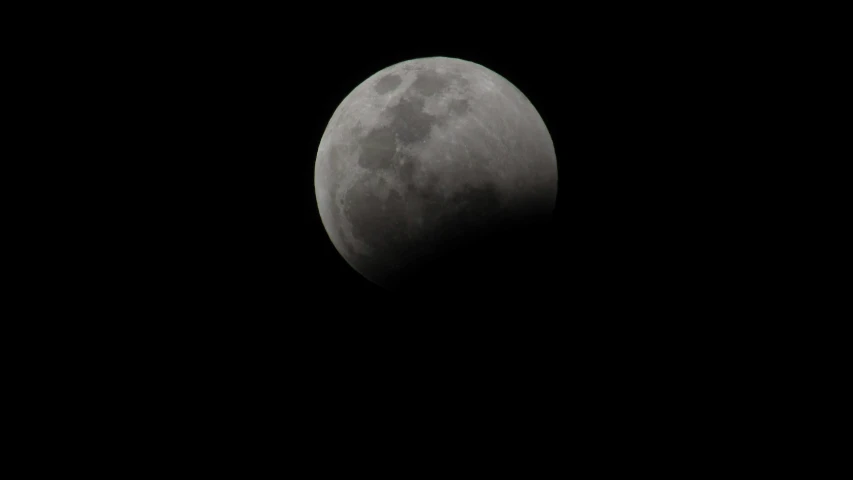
pixel 426 154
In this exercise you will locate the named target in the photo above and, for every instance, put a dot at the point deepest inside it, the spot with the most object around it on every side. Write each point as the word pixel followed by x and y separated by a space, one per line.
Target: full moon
pixel 427 155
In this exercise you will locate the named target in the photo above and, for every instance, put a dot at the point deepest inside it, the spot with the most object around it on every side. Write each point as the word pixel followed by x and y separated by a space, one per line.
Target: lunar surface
pixel 427 155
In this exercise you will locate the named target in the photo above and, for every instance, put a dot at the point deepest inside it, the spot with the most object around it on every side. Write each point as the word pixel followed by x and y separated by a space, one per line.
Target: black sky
pixel 219 115
pixel 207 288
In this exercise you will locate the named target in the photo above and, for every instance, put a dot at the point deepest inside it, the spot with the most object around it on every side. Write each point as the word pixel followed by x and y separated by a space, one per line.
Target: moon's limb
pixel 423 152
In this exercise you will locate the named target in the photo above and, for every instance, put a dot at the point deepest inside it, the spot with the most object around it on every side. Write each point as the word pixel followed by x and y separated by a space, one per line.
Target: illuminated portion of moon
pixel 425 153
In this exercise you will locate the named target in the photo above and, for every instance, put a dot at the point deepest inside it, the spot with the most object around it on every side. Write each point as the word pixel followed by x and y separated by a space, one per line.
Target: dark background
pixel 214 117
pixel 209 297
pixel 185 305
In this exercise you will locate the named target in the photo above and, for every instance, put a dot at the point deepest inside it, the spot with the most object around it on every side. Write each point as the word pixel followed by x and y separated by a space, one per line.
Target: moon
pixel 426 155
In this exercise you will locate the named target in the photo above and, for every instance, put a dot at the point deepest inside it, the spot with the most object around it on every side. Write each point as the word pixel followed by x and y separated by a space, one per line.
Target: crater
pixel 387 84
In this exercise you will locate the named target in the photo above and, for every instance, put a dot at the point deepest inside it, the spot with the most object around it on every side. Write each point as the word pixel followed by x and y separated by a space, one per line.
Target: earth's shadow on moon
pixel 507 259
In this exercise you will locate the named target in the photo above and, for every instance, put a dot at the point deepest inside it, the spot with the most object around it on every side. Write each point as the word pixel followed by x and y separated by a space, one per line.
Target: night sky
pixel 221 289
pixel 215 119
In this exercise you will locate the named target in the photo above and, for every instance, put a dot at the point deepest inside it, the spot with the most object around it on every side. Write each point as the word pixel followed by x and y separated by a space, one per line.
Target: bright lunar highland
pixel 427 154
